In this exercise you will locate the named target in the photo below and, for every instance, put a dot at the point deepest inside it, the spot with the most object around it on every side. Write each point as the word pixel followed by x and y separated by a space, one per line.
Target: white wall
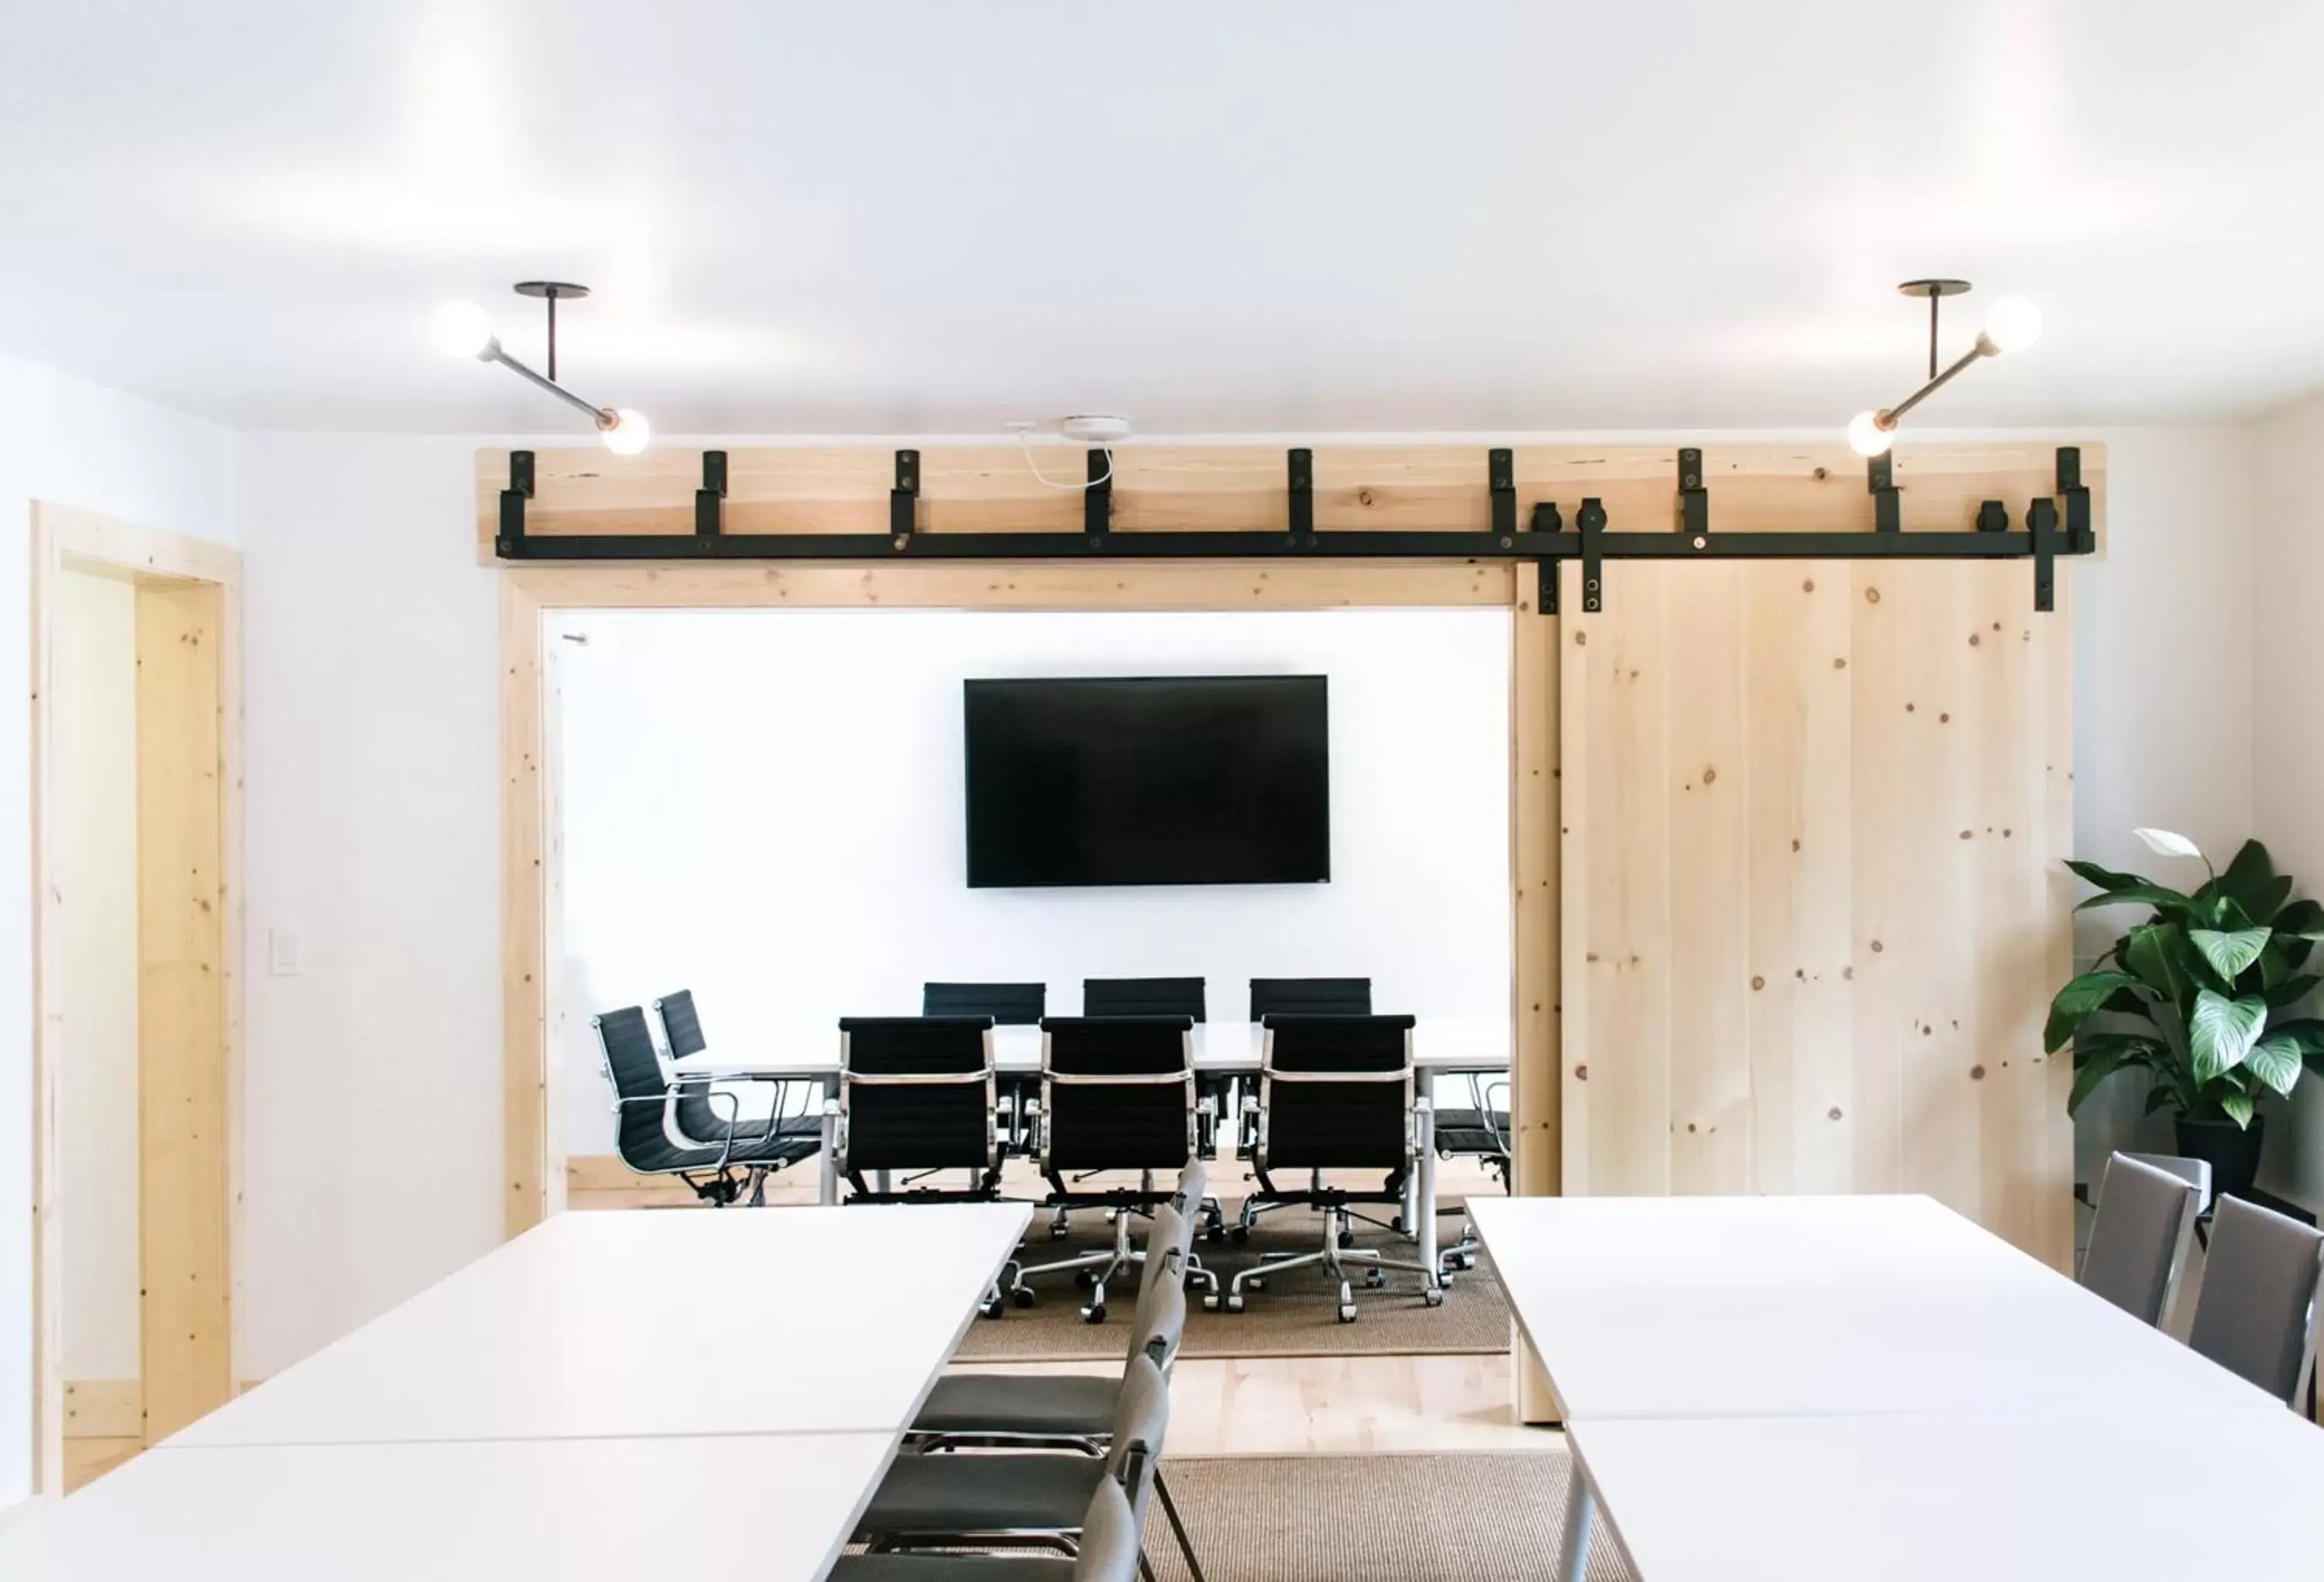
pixel 765 806
pixel 374 806
pixel 2163 692
pixel 96 742
pixel 73 443
pixel 2288 778
pixel 372 1158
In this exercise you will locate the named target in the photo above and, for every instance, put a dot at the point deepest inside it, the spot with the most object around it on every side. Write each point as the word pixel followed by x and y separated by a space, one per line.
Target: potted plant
pixel 2201 994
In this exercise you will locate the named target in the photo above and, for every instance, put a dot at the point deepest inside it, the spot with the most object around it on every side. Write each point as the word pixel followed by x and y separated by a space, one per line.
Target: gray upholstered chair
pixel 2257 1315
pixel 1109 1551
pixel 2138 1242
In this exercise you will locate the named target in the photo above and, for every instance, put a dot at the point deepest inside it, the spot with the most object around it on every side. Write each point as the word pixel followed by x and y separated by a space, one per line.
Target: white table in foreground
pixel 1747 1307
pixel 2131 1495
pixel 574 1510
pixel 743 1321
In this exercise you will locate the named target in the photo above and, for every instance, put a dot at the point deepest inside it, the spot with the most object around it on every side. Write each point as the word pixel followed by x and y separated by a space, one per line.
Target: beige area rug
pixel 1296 1315
pixel 1473 1517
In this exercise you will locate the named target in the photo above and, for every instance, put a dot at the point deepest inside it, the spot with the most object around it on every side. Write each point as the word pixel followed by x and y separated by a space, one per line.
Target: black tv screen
pixel 1191 779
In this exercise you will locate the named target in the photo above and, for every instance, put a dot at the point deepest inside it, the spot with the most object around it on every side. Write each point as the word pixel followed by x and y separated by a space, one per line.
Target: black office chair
pixel 916 1095
pixel 1143 996
pixel 697 1115
pixel 1479 1131
pixel 1021 1500
pixel 644 1106
pixel 1335 1093
pixel 1117 1094
pixel 1310 996
pixel 1009 1004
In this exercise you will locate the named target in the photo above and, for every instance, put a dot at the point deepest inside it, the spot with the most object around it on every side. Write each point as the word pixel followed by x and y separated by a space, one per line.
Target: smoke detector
pixel 1094 429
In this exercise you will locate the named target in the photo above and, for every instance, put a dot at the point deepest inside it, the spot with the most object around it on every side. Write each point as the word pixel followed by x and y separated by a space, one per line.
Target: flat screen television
pixel 1180 779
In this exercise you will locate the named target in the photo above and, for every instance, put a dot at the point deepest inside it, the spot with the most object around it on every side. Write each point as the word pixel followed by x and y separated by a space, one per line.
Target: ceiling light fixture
pixel 461 330
pixel 2014 324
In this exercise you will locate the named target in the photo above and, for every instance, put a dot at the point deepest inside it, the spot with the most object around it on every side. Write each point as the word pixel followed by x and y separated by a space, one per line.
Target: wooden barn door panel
pixel 1812 819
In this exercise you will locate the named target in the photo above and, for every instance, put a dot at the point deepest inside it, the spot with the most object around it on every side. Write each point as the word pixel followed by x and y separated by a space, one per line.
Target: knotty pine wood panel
pixel 186 1320
pixel 1163 488
pixel 1812 816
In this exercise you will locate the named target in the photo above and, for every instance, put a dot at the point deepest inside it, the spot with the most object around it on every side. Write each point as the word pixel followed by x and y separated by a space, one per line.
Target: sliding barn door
pixel 1813 814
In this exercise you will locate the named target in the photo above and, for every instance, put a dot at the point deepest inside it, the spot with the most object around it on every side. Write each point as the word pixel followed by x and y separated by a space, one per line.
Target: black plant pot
pixel 2232 1151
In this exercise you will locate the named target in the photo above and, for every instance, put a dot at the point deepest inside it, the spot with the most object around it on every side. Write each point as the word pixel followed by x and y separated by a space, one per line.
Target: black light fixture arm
pixel 1983 348
pixel 497 353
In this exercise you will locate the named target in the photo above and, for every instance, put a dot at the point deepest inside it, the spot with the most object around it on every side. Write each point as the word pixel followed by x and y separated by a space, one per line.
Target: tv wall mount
pixel 1541 538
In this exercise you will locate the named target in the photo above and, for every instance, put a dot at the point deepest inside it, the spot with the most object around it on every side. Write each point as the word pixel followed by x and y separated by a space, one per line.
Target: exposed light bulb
pixel 2014 324
pixel 627 433
pixel 1868 436
pixel 460 330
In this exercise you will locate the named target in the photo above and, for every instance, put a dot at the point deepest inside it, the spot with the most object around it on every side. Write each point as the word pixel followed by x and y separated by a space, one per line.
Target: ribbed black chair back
pixel 681 1025
pixel 681 1032
pixel 1117 1092
pixel 1308 1122
pixel 1009 1004
pixel 916 1092
pixel 636 1072
pixel 1143 996
pixel 1310 996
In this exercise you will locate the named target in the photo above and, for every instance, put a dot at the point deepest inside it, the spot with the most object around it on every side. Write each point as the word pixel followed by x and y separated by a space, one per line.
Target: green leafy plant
pixel 2200 994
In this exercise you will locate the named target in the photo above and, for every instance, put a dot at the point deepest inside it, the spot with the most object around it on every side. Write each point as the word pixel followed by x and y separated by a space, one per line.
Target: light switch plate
pixel 283 956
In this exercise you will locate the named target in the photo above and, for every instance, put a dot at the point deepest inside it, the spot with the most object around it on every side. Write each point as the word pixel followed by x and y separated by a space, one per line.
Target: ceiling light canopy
pixel 463 330
pixel 2014 324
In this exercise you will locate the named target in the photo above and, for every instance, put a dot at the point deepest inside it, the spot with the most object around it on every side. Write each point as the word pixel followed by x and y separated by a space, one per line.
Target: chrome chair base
pixel 1337 1256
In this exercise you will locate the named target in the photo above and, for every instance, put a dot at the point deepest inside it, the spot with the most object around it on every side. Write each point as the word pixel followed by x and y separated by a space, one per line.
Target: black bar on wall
pixel 1097 498
pixel 510 543
pixel 903 499
pixel 1300 469
pixel 710 499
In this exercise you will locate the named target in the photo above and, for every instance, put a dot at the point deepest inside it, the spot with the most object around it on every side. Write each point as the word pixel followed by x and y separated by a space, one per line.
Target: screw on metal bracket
pixel 904 499
pixel 1694 499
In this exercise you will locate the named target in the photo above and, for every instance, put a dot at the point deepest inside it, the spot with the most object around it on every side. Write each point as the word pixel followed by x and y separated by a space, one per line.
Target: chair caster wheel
pixel 1085 1279
pixel 1257 1282
pixel 1059 1232
pixel 1234 1301
pixel 1396 1223
pixel 1215 1233
pixel 1022 1296
pixel 990 1308
pixel 1094 1313
pixel 1347 1238
pixel 1375 1279
pixel 1241 1233
pixel 1347 1312
pixel 1434 1298
pixel 1210 1301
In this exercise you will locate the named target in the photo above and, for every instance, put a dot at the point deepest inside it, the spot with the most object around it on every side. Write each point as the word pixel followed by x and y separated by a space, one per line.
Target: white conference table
pixel 548 1410
pixel 1678 1330
pixel 1440 1044
pixel 774 1506
pixel 2129 1494
pixel 760 1321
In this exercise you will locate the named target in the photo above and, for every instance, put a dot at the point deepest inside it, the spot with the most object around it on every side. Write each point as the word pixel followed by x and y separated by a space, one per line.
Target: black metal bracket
pixel 1097 498
pixel 710 499
pixel 510 545
pixel 1546 520
pixel 1592 522
pixel 1501 484
pixel 1299 473
pixel 2042 531
pixel 2080 539
pixel 1887 504
pixel 903 498
pixel 1694 499
pixel 1992 516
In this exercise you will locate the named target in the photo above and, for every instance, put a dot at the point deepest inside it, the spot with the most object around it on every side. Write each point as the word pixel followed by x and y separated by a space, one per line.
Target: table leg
pixel 1424 1095
pixel 827 1183
pixel 1580 1505
pixel 1424 1181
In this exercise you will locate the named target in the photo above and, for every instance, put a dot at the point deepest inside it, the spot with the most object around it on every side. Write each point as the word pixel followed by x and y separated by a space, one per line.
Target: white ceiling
pixel 1326 214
